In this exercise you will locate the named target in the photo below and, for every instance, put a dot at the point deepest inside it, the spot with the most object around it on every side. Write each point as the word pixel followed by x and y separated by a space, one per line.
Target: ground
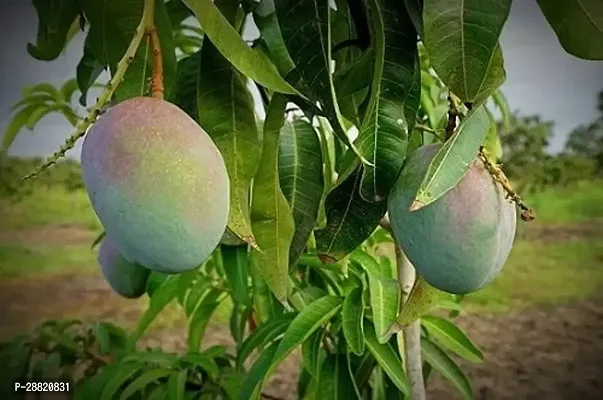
pixel 540 324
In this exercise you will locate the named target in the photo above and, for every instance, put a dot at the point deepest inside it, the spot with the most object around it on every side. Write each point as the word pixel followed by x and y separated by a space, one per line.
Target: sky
pixel 541 78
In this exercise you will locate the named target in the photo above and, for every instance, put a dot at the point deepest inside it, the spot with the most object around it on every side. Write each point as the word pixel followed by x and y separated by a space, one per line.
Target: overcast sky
pixel 541 78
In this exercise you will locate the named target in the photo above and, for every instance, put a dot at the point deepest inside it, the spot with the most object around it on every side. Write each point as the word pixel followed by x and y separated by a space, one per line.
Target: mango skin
pixel 460 242
pixel 125 278
pixel 158 184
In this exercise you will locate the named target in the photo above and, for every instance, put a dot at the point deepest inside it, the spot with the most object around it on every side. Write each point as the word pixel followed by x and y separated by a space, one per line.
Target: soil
pixel 551 353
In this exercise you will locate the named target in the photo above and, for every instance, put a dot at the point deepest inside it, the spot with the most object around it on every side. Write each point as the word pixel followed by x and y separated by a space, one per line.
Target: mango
pixel 460 242
pixel 157 183
pixel 125 278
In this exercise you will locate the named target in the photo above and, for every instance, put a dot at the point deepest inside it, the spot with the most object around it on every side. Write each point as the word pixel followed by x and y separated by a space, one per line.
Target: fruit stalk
pixel 151 32
pixel 105 96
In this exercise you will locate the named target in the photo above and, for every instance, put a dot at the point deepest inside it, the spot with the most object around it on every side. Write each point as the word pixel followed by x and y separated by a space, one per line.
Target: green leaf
pixel 503 106
pixel 492 141
pixel 271 217
pixel 119 378
pixel 186 84
pixel 394 101
pixel 199 320
pixel 263 335
pixel 143 381
pixel 236 269
pixel 55 18
pixel 350 220
pixel 441 362
pixel 352 321
pixel 384 293
pixel 461 37
pixel 300 329
pixel 176 385
pixel 452 337
pixel 453 159
pixel 578 25
pixel 162 296
pixel 335 381
pixel 249 389
pixel 87 72
pixel 226 112
pixel 68 89
pixel 238 322
pixel 267 23
pixel 230 44
pixel 307 35
pixel 313 354
pixel 386 357
pixel 207 363
pixel 422 299
pixel 301 179
pixel 16 124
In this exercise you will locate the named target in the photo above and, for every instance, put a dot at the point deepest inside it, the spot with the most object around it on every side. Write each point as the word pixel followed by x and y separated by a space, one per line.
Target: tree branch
pixel 151 32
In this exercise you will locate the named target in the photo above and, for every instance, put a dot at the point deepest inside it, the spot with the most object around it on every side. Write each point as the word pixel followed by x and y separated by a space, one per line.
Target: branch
pixel 103 99
pixel 151 32
pixel 452 114
pixel 427 129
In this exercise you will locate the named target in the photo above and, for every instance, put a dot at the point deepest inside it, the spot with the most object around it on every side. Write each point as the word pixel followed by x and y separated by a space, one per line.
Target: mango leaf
pixel 204 361
pixel 305 28
pixel 441 362
pixel 200 318
pixel 386 357
pixel 452 337
pixel 176 384
pixel 160 298
pixel 492 141
pixel 503 106
pixel 300 329
pixel 55 18
pixel 350 220
pixel 226 112
pixel 236 269
pixel 462 41
pixel 144 380
pixel 87 72
pixel 264 17
pixel 352 315
pixel 301 179
pixel 453 159
pixel 230 44
pixel 16 124
pixel 265 305
pixel 384 293
pixel 578 25
pixel 263 335
pixel 422 299
pixel 335 381
pixel 313 354
pixel 124 373
pixel 249 389
pixel 112 26
pixel 185 95
pixel 394 101
pixel 271 216
pixel 352 86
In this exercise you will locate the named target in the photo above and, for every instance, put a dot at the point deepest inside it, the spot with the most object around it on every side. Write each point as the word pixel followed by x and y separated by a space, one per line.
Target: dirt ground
pixel 544 353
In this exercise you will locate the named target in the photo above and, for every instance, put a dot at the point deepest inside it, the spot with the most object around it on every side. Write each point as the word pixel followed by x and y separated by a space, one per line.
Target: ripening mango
pixel 125 278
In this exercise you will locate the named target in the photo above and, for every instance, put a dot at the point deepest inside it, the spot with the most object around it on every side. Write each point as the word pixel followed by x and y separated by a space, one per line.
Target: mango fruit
pixel 157 183
pixel 460 242
pixel 125 278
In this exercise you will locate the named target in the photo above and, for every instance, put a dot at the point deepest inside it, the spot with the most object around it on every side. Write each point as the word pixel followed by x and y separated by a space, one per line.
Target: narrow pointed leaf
pixel 230 44
pixel 121 376
pixel 301 179
pixel 453 159
pixel 267 23
pixel 159 299
pixel 441 362
pixel 350 220
pixel 313 353
pixel 200 319
pixel 503 106
pixel 249 389
pixel 185 95
pixel 176 384
pixel 301 328
pixel 206 362
pixel 578 25
pixel 236 268
pixel 271 216
pixel 352 321
pixel 492 141
pixel 386 357
pixel 452 337
pixel 384 293
pixel 395 98
pixel 461 37
pixel 87 72
pixel 226 112
pixel 55 19
pixel 143 381
pixel 335 381
pixel 16 124
pixel 263 335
